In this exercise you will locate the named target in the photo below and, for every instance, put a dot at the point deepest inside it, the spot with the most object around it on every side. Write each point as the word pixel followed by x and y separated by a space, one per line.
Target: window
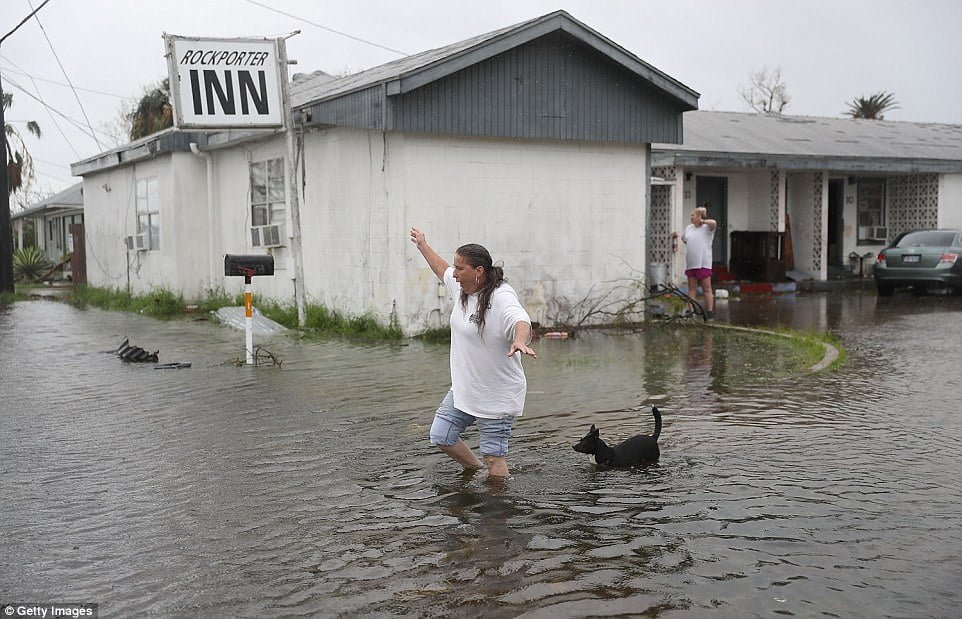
pixel 267 203
pixel 148 212
pixel 55 226
pixel 267 192
pixel 871 211
pixel 70 222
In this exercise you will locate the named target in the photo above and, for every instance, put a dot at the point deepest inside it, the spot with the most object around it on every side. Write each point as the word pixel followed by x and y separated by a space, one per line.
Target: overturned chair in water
pixel 135 354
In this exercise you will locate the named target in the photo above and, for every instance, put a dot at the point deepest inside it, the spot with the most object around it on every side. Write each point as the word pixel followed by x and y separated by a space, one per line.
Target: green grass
pixel 160 303
pixel 438 335
pixel 809 345
pixel 325 322
pixel 8 298
pixel 217 299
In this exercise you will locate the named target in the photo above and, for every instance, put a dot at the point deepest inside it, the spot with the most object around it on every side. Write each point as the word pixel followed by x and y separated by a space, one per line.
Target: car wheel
pixel 885 290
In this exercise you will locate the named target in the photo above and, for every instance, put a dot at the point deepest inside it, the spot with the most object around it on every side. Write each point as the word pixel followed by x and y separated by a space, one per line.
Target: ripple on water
pixel 311 489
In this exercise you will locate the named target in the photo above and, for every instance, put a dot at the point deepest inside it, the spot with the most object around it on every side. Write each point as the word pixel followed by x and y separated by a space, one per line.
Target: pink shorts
pixel 699 274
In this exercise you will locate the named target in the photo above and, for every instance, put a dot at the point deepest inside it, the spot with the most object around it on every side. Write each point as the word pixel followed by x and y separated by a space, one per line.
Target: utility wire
pixel 40 79
pixel 53 163
pixel 76 123
pixel 23 21
pixel 316 25
pixel 52 118
pixel 76 96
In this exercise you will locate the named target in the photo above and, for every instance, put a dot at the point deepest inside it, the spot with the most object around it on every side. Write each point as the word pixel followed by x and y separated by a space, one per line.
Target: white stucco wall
pixel 950 201
pixel 232 220
pixel 806 230
pixel 185 247
pixel 111 215
pixel 748 201
pixel 850 221
pixel 180 263
pixel 106 215
pixel 565 219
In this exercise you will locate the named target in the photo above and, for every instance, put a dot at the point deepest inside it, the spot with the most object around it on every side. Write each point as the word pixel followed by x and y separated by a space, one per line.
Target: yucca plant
pixel 29 263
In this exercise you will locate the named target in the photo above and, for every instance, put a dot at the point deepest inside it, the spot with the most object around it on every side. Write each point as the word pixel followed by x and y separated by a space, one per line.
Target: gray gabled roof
pixel 411 72
pixel 71 198
pixel 761 140
pixel 375 98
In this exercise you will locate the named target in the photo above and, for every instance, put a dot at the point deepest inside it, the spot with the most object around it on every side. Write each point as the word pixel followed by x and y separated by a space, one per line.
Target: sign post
pixel 291 170
pixel 225 84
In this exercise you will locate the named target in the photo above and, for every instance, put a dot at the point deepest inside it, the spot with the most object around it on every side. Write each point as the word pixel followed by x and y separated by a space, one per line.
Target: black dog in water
pixel 640 449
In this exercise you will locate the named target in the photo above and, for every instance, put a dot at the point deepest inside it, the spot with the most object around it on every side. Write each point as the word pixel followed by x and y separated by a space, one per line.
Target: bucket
pixel 657 274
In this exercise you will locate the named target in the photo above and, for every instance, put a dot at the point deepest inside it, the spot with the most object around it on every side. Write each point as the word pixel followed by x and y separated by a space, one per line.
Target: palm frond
pixel 19 163
pixel 872 107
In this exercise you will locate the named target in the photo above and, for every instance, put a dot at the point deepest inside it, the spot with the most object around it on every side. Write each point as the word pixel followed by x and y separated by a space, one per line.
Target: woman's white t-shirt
pixel 698 239
pixel 486 382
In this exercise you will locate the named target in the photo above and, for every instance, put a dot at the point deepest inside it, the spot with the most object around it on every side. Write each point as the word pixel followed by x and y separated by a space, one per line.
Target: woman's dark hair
pixel 478 256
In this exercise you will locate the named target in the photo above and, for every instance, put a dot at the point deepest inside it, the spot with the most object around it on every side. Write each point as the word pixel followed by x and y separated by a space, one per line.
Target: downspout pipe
pixel 210 213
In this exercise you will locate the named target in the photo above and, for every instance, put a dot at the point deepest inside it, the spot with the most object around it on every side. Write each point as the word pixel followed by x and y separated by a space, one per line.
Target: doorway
pixel 712 192
pixel 836 222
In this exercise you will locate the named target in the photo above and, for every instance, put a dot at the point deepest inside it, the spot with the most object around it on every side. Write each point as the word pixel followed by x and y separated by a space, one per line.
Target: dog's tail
pixel 657 416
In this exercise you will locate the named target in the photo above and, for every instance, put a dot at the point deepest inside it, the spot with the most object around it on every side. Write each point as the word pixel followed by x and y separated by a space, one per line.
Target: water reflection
pixel 311 490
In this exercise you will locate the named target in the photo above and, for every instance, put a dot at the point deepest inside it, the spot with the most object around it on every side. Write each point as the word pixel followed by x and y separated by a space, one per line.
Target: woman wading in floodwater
pixel 490 330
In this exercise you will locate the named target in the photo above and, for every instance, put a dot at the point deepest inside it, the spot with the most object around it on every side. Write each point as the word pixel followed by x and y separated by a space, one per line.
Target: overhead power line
pixel 40 79
pixel 23 21
pixel 52 117
pixel 332 30
pixel 67 77
pixel 85 129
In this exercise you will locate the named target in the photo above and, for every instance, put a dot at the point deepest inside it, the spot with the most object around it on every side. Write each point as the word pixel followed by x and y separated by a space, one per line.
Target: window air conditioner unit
pixel 268 236
pixel 138 242
pixel 880 232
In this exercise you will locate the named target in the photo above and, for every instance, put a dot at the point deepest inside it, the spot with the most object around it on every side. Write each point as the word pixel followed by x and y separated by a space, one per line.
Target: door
pixel 712 192
pixel 78 259
pixel 836 193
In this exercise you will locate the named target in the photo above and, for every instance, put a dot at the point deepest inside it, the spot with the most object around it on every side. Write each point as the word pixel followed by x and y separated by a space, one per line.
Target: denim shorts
pixel 450 422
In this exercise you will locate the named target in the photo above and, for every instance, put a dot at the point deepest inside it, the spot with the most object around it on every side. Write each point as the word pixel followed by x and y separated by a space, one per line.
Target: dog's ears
pixel 593 429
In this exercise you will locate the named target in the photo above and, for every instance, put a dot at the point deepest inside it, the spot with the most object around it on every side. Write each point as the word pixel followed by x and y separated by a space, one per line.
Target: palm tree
pixel 153 112
pixel 873 107
pixel 19 161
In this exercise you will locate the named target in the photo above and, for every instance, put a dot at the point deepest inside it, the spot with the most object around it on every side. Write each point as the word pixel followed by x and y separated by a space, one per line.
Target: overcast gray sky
pixel 829 51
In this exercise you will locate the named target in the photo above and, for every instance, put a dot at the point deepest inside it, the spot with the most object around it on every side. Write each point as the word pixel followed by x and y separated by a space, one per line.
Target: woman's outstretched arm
pixel 438 264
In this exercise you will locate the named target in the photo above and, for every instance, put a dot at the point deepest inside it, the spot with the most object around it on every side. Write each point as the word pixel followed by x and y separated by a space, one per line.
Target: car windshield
pixel 928 238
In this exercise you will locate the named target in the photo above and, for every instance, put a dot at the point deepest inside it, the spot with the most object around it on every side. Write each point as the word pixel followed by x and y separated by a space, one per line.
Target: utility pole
pixel 290 169
pixel 6 232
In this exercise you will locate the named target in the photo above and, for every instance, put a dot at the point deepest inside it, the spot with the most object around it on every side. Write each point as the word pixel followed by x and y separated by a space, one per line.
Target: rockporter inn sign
pixel 225 83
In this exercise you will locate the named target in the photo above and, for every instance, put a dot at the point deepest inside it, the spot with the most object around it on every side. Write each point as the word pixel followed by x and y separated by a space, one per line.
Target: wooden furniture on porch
pixel 756 256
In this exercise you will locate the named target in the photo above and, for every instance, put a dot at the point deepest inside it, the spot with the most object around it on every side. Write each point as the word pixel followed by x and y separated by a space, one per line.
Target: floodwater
pixel 310 490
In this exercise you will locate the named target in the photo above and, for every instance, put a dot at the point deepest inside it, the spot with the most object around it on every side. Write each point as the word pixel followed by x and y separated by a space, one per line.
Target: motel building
pixel 571 159
pixel 533 140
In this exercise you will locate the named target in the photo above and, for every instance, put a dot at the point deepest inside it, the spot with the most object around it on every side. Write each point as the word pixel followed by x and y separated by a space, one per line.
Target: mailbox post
pixel 248 267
